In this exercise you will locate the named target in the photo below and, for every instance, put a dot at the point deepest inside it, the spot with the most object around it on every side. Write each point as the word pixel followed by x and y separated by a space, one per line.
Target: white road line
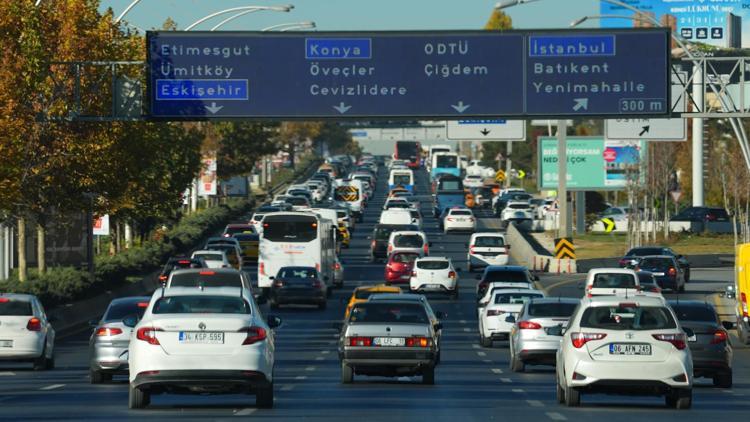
pixel 319 358
pixel 556 416
pixel 467 329
pixel 325 352
pixel 245 412
pixel 497 371
pixel 311 368
pixel 463 321
pixel 535 403
pixel 481 354
pixel 506 380
pixel 300 377
pixel 7 374
pixel 476 346
pixel 518 390
pixel 52 387
pixel 287 387
pixel 486 361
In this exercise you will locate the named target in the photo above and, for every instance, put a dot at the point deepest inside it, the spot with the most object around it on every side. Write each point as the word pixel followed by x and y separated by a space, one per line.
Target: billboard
pixel 101 225
pixel 715 22
pixel 593 163
pixel 207 177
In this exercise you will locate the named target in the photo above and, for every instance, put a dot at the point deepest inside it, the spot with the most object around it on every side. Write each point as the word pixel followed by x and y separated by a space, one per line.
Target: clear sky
pixel 357 14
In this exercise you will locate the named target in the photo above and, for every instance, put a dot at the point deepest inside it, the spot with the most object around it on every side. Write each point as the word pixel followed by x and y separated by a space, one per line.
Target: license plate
pixel 189 337
pixel 434 286
pixel 6 343
pixel 629 349
pixel 658 274
pixel 693 339
pixel 389 341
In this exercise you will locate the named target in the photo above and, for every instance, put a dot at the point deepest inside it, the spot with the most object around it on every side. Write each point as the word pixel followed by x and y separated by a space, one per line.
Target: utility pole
pixel 508 163
pixel 698 138
pixel 562 172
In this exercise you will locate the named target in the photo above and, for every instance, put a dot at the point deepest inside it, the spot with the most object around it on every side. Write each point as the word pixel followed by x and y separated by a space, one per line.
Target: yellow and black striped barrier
pixel 564 248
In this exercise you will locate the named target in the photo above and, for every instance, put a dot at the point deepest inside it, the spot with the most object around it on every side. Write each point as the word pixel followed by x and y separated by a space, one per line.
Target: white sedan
pixel 631 345
pixel 25 331
pixel 494 321
pixel 205 340
pixel 434 274
pixel 473 181
pixel 459 219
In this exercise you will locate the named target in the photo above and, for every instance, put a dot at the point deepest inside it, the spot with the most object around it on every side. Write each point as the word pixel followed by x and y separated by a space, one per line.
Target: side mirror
pixel 260 299
pixel 511 319
pixel 440 314
pixel 729 292
pixel 93 323
pixel 507 247
pixel 130 321
pixel 580 285
pixel 728 325
pixel 273 321
pixel 466 244
pixel 338 325
pixel 689 332
pixel 438 326
pixel 272 278
pixel 535 277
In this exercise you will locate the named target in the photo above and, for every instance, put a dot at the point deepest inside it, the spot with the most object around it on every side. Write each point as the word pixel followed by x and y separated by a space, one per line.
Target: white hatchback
pixel 408 241
pixel 202 341
pixel 459 219
pixel 213 258
pixel 25 332
pixel 487 249
pixel 612 281
pixel 632 346
pixel 434 274
pixel 494 319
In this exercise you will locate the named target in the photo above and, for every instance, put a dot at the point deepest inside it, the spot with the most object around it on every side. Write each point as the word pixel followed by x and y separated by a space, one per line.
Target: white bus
pixel 295 239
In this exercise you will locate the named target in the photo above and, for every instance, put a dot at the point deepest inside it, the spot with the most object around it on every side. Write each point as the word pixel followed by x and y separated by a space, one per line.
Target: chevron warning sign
pixel 564 248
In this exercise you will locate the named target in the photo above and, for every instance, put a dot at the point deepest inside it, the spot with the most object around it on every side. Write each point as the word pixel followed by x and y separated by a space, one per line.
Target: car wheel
pixel 98 377
pixel 572 397
pixel 264 396
pixel 485 342
pixel 49 363
pixel 137 398
pixel 723 379
pixel 560 394
pixel 322 305
pixel 347 374
pixel 687 276
pixel 517 365
pixel 428 375
pixel 680 399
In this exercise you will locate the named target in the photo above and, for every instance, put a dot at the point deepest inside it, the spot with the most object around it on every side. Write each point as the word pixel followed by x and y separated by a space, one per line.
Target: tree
pixel 498 21
pixel 241 145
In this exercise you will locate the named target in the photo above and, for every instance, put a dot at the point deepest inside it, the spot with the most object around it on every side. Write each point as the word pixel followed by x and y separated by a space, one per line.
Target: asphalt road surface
pixel 472 383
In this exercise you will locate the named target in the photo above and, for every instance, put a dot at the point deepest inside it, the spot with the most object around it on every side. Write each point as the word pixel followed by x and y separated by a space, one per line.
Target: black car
pixel 708 340
pixel 701 215
pixel 379 238
pixel 666 271
pixel 178 263
pixel 632 257
pixel 298 285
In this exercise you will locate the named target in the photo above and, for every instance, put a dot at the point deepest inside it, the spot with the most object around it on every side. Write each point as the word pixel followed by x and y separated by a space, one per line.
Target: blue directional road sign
pixel 451 75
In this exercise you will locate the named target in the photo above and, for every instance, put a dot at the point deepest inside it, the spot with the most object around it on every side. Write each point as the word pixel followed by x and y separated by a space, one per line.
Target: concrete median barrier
pixel 525 250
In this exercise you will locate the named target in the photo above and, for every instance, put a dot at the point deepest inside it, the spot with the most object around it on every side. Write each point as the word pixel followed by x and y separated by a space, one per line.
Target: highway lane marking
pixel 506 380
pixel 556 416
pixel 325 352
pixel 319 358
pixel 535 403
pixel 300 377
pixel 311 368
pixel 288 387
pixel 518 390
pixel 467 329
pixel 463 321
pixel 245 412
pixel 562 283
pixel 7 374
pixel 476 346
pixel 481 354
pixel 52 387
pixel 486 361
pixel 497 371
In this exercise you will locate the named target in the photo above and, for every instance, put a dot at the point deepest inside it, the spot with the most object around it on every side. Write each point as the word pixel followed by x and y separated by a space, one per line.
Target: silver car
pixel 537 331
pixel 391 339
pixel 108 346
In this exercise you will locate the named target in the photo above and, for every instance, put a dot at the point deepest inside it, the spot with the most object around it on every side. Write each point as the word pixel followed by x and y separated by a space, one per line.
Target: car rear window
pixel 656 263
pixel 460 212
pixel 625 317
pixel 645 251
pixel 297 272
pixel 405 258
pixel 210 256
pixel 514 298
pixel 614 281
pixel 201 305
pixel 545 310
pixel 489 241
pixel 297 200
pixel 15 307
pixel 509 276
pixel 362 294
pixel 408 241
pixel 432 265
pixel 694 313
pixel 118 311
pixel 375 312
pixel 206 279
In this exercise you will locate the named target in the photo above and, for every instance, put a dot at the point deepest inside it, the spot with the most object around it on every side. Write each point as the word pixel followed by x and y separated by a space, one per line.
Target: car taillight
pixel 34 324
pixel 677 340
pixel 227 235
pixel 147 334
pixel 672 271
pixel 426 249
pixel 360 341
pixel 743 299
pixel 494 312
pixel 262 268
pixel 278 283
pixel 529 325
pixel 183 261
pixel 390 248
pixel 579 339
pixel 372 244
pixel 317 284
pixel 418 342
pixel 142 304
pixel 450 219
pixel 471 219
pixel 624 262
pixel 337 266
pixel 451 274
pixel 108 331
pixel 162 277
pixel 655 289
pixel 720 336
pixel 710 217
pixel 207 273
pixel 254 335
pixel 413 273
pixel 471 249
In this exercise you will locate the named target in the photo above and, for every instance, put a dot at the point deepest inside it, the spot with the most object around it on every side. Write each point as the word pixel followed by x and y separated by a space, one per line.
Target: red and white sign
pixel 610 155
pixel 101 226
pixel 207 177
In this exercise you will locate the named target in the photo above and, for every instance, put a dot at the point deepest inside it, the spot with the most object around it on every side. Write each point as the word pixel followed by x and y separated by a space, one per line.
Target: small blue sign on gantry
pixel 452 75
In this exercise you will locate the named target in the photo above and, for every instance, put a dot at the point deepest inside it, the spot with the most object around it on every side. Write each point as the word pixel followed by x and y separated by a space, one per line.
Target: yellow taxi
pixel 362 293
pixel 248 239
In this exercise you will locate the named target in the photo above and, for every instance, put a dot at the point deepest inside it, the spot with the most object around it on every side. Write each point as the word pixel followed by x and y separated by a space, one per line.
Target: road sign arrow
pixel 485 132
pixel 213 108
pixel 460 107
pixel 609 224
pixel 342 108
pixel 645 130
pixel 521 174
pixel 581 104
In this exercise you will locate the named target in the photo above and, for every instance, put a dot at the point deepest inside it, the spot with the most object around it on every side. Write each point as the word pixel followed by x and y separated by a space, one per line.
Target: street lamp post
pixel 125 12
pixel 247 9
pixel 290 26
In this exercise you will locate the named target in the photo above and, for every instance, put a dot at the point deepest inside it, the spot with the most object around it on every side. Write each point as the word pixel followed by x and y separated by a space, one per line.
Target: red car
pixel 399 266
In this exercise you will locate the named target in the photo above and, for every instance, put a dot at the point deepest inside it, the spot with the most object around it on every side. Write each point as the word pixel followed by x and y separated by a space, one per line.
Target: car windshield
pixel 700 313
pixel 206 279
pixel 509 276
pixel 297 272
pixel 461 212
pixel 514 298
pixel 201 305
pixel 397 204
pixel 14 307
pixel 119 310
pixel 297 200
pixel 288 228
pixel 614 281
pixel 408 241
pixel 389 313
pixel 662 264
pixel 432 265
pixel 405 258
pixel 628 317
pixel 402 180
pixel 450 185
pixel 546 310
pixel 488 241
pixel 446 161
pixel 210 256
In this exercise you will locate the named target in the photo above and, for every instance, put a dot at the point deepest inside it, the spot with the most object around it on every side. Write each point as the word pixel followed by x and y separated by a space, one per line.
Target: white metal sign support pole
pixel 698 136
pixel 562 190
